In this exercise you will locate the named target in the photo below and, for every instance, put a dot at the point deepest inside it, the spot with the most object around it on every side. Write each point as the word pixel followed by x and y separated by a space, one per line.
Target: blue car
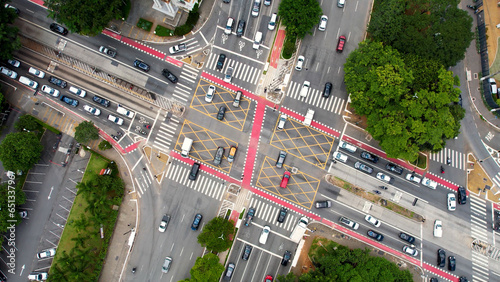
pixel 69 101
pixel 196 222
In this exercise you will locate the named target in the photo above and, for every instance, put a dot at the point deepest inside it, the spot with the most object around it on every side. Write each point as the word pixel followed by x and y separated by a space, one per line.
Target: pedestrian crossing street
pixel 211 187
pixel 314 97
pixel 165 135
pixel 496 179
pixel 241 71
pixel 267 211
pixel 458 159
pixel 479 231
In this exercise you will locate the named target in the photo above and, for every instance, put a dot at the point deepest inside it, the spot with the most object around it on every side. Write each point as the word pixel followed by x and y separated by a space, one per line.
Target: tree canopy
pixel 27 122
pixel 217 234
pixel 434 30
pixel 8 33
pixel 20 151
pixel 334 262
pixel 403 115
pixel 206 268
pixel 9 188
pixel 85 132
pixel 86 17
pixel 299 16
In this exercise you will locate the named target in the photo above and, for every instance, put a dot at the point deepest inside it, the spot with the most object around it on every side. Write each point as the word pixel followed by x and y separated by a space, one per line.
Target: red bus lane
pixel 443 182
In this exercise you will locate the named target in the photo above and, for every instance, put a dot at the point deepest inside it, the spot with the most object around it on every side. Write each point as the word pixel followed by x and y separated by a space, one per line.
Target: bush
pixel 182 30
pixel 163 31
pixel 104 145
pixel 144 24
pixel 288 47
pixel 191 21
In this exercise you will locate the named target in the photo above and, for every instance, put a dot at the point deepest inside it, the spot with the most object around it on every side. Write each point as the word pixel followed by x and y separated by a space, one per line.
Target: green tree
pixel 403 116
pixel 86 17
pixel 8 33
pixel 104 145
pixel 290 277
pixel 216 235
pixel 434 30
pixel 206 269
pixel 85 132
pixel 27 122
pixel 20 151
pixel 299 16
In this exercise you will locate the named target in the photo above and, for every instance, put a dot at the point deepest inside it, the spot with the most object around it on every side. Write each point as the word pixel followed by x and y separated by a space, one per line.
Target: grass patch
pixel 144 24
pixel 242 213
pixel 163 31
pixel 421 161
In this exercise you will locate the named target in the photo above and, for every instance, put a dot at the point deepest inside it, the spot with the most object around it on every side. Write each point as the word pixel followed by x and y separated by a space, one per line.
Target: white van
pixel 28 82
pixel 229 26
pixel 186 147
pixel 258 39
pixel 77 91
pixel 272 22
pixel 121 110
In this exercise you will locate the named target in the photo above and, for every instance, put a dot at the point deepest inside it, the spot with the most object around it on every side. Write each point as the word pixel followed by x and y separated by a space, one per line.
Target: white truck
pixel 186 147
pixel 299 230
pixel 309 117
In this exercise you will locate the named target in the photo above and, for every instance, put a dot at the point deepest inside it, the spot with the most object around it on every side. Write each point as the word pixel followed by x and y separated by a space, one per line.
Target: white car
pixel 92 110
pixel 47 253
pixel 177 48
pixel 438 228
pixel 264 234
pixel 372 220
pixel 411 251
pixel 210 94
pixel 452 202
pixel 28 82
pixel 429 183
pixel 9 73
pixel 411 177
pixel 121 110
pixel 281 122
pixel 51 91
pixel 305 89
pixel 14 63
pixel 229 74
pixel 229 26
pixel 340 157
pixel 36 72
pixel 300 63
pixel 347 146
pixel 384 177
pixel 38 276
pixel 116 120
pixel 77 91
pixel 322 23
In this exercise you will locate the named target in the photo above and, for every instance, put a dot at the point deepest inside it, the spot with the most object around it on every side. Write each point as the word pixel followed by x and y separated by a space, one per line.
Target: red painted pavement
pixel 175 62
pixel 254 142
pixel 112 34
pixel 112 141
pixel 39 3
pixel 496 206
pixel 234 216
pixel 440 272
pixel 278 44
pixel 132 147
pixel 443 182
pixel 143 48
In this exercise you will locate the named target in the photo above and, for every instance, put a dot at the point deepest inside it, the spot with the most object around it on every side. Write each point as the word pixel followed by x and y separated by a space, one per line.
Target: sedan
pixel 323 204
pixel 246 252
pixel 341 43
pixel 170 76
pixel 408 238
pixel 221 113
pixel 14 63
pixel 394 168
pixel 322 23
pixel 452 263
pixel 59 82
pixel 264 234
pixel 256 8
pixel 69 101
pixel 363 167
pixel 375 235
pixel 218 155
pixel 115 119
pixel 281 159
pixel 286 258
pixel 47 253
pixel 58 28
pixel 177 48
pixel 451 201
pixel 441 258
pixel 282 215
pixel 101 101
pixel 196 222
pixel 9 73
pixel 220 62
pixel 141 65
pixel 412 178
pixel 372 220
pixel 411 251
pixel 429 183
pixel 268 278
pixel 284 180
pixel 384 177
pixel 370 157
pixel 327 90
pixel 51 91
pixel 438 228
pixel 229 271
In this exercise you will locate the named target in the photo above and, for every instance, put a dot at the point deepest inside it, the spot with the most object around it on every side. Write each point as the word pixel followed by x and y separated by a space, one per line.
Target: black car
pixel 375 235
pixel 462 195
pixel 327 90
pixel 441 258
pixel 101 101
pixel 196 222
pixel 371 157
pixel 220 62
pixel 59 82
pixel 434 279
pixel 221 113
pixel 282 215
pixel 323 204
pixel 463 279
pixel 218 155
pixel 286 258
pixel 250 214
pixel 141 65
pixel 58 28
pixel 364 168
pixel 170 76
pixel 69 101
pixel 406 237
pixel 246 252
pixel 281 159
pixel 394 168
pixel 229 272
pixel 194 171
pixel 241 28
pixel 452 263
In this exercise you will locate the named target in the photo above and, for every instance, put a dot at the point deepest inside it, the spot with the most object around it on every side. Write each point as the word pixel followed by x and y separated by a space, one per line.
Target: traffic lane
pixel 463 263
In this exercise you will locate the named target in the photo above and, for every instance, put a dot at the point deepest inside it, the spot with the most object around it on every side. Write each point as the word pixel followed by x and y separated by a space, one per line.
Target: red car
pixel 284 180
pixel 269 278
pixel 340 44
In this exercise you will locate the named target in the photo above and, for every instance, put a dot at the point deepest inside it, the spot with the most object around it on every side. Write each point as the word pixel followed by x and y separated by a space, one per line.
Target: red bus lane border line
pixel 144 48
pixel 443 182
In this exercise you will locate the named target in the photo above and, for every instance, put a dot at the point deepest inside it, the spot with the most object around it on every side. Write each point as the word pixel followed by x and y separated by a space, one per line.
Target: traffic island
pixel 478 181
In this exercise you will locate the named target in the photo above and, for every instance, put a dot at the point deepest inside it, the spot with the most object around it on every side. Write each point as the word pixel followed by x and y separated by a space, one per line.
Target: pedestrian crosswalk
pixel 165 135
pixel 241 71
pixel 314 97
pixel 183 92
pixel 480 267
pixel 212 187
pixel 479 231
pixel 267 211
pixel 457 158
pixel 496 179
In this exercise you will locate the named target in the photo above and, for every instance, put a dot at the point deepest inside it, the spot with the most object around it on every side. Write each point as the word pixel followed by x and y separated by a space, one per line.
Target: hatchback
pixel 69 101
pixel 305 89
pixel 220 62
pixel 451 202
pixel 327 90
pixel 286 258
pixel 408 238
pixel 281 159
pixel 364 168
pixel 241 28
pixel 218 155
pixel 411 251
pixel 384 177
pixel 269 278
pixel 246 252
pixel 282 215
pixel 375 235
pixel 368 156
pixel 323 204
pixel 141 65
pixel 375 222
pixel 322 23
pixel 232 153
pixel 394 168
pixel 229 271
pixel 221 113
pixel 441 258
pixel 340 157
pixel 284 180
pixel 452 263
pixel 49 90
pixel 300 63
pixel 193 173
pixel 58 28
pixel 36 72
pixel 429 183
pixel 46 253
pixel 264 234
pixel 196 222
pixel 210 94
pixel 166 265
pixel 170 76
pixel 281 122
pixel 340 44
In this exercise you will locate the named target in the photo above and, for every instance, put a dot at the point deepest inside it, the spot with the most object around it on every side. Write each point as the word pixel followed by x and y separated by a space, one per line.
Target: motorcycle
pixel 134 269
pixel 377 192
pixel 383 187
pixel 147 126
pixel 442 169
pixel 115 137
pixel 448 161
